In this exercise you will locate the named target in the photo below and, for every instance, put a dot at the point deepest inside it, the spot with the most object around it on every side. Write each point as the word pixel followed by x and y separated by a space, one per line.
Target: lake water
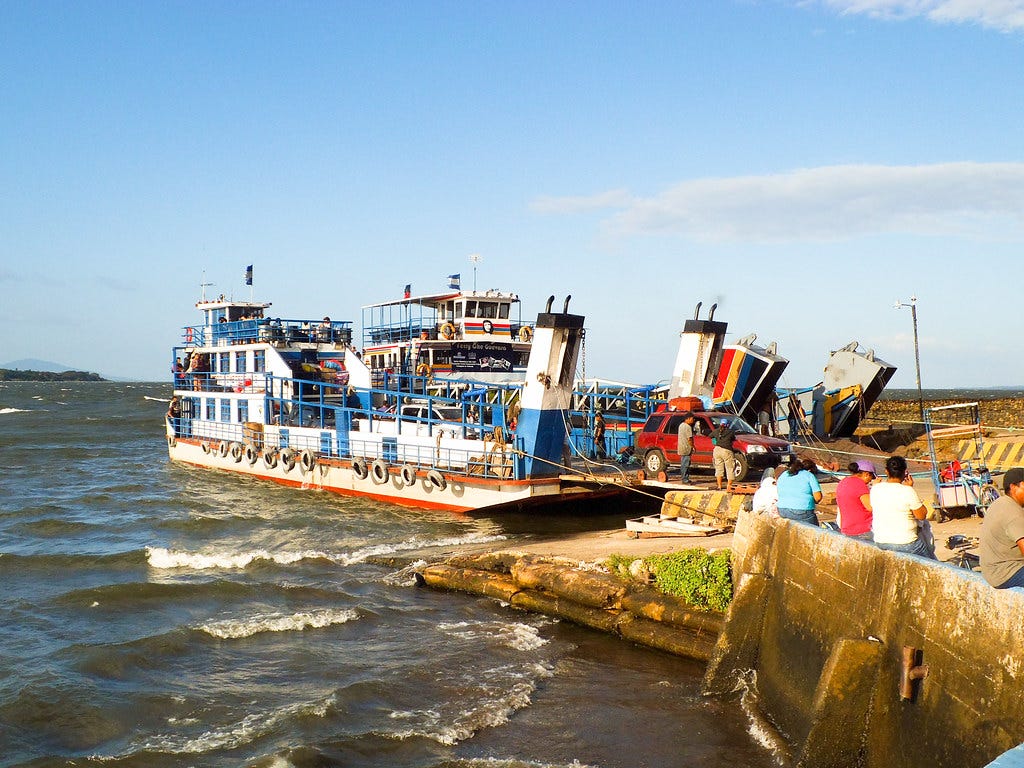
pixel 157 615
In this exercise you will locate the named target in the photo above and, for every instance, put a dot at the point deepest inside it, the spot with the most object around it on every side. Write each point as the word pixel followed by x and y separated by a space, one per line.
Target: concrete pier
pixel 826 624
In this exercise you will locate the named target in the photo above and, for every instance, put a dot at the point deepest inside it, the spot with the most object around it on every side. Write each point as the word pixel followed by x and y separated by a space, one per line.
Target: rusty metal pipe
pixel 910 671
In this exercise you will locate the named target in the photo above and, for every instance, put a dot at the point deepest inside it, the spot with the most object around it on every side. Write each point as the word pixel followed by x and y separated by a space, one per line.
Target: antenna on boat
pixel 204 285
pixel 475 258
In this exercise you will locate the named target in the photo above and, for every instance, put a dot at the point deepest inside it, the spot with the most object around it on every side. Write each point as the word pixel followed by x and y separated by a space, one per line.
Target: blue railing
pixel 275 331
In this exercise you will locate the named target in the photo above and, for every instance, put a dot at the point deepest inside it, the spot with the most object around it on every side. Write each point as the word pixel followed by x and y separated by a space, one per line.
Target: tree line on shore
pixel 9 374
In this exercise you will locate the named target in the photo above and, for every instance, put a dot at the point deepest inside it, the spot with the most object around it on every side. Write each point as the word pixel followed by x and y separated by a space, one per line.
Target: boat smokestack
pixel 547 307
pixel 565 307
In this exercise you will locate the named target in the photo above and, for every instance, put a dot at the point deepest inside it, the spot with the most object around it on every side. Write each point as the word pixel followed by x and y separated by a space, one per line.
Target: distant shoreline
pixel 14 374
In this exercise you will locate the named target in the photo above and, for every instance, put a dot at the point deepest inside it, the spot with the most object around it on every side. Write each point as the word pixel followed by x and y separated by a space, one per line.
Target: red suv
pixel 658 442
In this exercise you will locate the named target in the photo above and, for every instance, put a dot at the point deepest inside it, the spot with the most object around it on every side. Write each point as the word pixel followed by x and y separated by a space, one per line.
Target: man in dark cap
pixel 1001 544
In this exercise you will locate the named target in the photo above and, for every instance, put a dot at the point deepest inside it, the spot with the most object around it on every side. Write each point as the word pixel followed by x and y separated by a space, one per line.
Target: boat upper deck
pixel 227 322
pixel 482 315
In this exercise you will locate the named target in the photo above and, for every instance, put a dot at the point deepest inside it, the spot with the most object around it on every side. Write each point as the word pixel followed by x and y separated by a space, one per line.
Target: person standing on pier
pixel 685 446
pixel 599 428
pixel 1001 544
pixel 723 437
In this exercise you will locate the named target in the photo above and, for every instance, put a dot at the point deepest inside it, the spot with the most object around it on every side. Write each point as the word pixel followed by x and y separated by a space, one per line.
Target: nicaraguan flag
pixel 408 290
pixel 455 281
pixel 248 275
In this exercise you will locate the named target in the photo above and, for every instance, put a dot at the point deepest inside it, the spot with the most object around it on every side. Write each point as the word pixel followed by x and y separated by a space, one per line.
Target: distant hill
pixel 43 370
pixel 7 374
pixel 31 364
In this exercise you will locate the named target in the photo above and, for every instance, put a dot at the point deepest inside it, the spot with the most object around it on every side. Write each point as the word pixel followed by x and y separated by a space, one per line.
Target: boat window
pixel 223 362
pixel 240 362
pixel 487 309
pixel 458 311
pixel 211 409
pixel 243 411
pixel 503 311
pixel 225 410
pixel 470 309
pixel 259 362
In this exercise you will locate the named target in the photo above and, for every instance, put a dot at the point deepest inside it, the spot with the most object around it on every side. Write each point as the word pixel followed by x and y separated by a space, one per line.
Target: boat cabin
pixel 464 334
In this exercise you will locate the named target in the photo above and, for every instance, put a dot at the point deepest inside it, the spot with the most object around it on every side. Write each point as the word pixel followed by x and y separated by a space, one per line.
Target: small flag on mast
pixel 408 290
pixel 248 275
pixel 455 281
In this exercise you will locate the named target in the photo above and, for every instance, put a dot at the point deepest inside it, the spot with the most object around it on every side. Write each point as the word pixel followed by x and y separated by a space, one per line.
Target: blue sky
pixel 802 163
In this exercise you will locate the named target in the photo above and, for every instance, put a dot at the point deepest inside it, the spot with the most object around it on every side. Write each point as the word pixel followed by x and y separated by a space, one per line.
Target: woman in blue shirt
pixel 799 492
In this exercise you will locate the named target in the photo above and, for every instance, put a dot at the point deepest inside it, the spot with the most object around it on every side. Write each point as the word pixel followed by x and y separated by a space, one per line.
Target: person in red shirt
pixel 853 498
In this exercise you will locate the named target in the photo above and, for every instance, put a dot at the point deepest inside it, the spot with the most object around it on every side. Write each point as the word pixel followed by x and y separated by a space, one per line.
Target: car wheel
pixel 654 462
pixel 742 467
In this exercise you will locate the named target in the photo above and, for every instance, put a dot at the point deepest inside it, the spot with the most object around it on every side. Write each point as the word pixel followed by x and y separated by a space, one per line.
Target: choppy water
pixel 155 615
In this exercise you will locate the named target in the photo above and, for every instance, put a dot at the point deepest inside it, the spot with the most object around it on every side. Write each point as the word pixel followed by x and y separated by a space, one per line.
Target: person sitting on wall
pixel 853 499
pixel 799 491
pixel 898 514
pixel 1001 544
pixel 766 497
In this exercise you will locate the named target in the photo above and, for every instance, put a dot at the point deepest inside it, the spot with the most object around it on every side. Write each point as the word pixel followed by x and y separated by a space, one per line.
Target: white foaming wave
pixel 163 558
pixel 359 555
pixel 758 726
pixel 156 399
pixel 14 410
pixel 489 712
pixel 248 729
pixel 515 635
pixel 512 762
pixel 405 577
pixel 233 629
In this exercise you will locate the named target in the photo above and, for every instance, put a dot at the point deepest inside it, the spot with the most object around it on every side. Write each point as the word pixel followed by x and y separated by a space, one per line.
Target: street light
pixel 917 350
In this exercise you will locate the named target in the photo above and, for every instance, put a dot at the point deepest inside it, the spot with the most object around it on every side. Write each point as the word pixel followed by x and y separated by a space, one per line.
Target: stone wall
pixel 822 622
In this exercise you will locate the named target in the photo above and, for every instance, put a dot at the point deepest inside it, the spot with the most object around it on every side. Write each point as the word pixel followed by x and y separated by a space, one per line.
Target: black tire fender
pixel 380 471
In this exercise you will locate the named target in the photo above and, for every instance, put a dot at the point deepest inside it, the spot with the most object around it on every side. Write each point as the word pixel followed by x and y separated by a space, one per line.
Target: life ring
pixel 422 369
pixel 408 474
pixel 269 458
pixel 436 480
pixel 525 333
pixel 171 441
pixel 360 468
pixel 223 448
pixel 307 461
pixel 380 472
pixel 288 459
pixel 488 326
pixel 448 331
pixel 236 452
pixel 251 454
pixel 205 446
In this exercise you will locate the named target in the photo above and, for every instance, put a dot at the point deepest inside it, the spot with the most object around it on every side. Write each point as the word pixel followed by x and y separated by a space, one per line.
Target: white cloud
pixel 828 203
pixel 1004 15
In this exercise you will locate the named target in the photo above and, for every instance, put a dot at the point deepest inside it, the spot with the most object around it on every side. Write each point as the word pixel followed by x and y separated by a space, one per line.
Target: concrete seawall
pixel 822 621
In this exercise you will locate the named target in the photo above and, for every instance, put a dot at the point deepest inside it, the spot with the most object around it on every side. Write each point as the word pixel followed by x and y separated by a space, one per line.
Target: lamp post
pixel 917 350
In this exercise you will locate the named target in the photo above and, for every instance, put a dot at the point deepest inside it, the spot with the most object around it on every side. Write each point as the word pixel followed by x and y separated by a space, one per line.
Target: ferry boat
pixel 292 401
pixel 473 335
